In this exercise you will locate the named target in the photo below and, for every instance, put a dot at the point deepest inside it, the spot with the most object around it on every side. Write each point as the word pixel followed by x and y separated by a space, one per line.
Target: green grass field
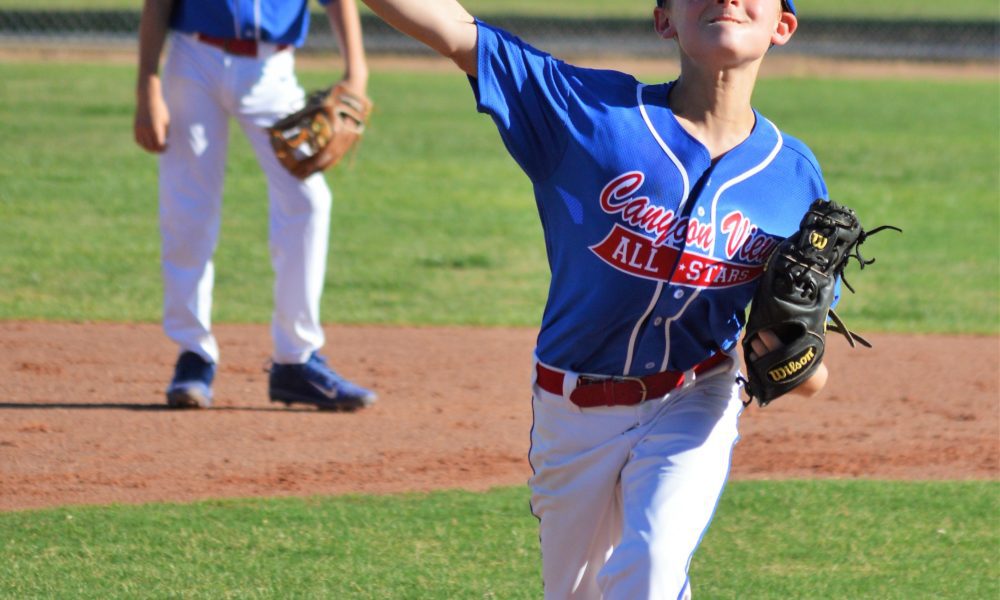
pixel 787 540
pixel 420 237
pixel 892 9
pixel 434 224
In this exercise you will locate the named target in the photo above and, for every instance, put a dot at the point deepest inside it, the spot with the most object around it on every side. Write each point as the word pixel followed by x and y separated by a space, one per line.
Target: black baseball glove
pixel 794 297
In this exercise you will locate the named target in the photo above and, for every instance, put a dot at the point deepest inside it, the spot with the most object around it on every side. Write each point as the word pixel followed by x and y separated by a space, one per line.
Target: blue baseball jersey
pixel 654 248
pixel 275 21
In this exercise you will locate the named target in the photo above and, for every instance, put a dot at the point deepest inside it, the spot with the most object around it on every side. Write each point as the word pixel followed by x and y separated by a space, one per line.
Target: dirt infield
pixel 83 421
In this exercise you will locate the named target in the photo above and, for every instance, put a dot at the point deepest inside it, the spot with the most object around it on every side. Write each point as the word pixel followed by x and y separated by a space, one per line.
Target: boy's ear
pixel 787 25
pixel 662 24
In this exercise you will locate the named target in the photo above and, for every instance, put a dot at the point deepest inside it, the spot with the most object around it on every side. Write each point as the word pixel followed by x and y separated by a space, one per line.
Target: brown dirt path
pixel 82 418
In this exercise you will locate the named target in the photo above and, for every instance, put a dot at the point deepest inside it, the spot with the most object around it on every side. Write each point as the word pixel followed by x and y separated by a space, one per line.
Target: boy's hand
pixel 152 119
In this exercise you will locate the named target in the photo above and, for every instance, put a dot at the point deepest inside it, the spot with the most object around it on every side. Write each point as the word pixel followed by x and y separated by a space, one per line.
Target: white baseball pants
pixel 203 88
pixel 624 494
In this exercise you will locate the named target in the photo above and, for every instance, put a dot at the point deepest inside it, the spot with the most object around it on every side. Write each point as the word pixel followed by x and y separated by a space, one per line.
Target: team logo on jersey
pixel 677 249
pixel 638 255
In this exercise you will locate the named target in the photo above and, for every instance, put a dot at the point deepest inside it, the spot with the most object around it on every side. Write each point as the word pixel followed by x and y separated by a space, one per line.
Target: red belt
pixel 235 46
pixel 620 391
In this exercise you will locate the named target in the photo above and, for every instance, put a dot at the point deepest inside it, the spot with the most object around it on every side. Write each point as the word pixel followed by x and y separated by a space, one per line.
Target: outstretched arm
pixel 346 26
pixel 443 25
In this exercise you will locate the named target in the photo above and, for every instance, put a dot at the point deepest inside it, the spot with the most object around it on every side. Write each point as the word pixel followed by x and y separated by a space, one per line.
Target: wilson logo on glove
pixel 793 366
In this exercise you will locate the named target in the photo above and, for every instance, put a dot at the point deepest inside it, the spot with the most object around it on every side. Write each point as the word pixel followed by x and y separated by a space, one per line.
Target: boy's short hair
pixel 787 5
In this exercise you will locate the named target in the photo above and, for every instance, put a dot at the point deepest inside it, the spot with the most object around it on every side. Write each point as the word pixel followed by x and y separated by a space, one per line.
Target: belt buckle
pixel 642 385
pixel 607 385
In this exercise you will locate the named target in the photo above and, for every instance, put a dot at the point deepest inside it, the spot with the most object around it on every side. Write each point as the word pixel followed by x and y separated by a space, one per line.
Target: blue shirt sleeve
pixel 525 91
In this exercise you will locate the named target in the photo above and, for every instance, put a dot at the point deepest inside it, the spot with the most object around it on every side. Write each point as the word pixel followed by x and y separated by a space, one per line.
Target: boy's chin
pixel 721 59
pixel 728 51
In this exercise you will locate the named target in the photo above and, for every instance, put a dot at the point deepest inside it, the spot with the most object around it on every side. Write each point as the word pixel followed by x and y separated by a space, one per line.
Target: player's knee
pixel 310 199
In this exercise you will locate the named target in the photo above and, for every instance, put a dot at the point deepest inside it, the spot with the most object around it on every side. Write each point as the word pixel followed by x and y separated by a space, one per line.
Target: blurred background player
pixel 235 60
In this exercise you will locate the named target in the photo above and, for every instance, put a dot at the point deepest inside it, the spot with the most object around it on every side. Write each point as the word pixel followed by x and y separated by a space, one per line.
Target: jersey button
pixel 679 294
pixel 658 321
pixel 650 365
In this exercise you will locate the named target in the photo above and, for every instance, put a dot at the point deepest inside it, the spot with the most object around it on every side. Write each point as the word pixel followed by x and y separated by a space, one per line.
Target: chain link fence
pixel 848 38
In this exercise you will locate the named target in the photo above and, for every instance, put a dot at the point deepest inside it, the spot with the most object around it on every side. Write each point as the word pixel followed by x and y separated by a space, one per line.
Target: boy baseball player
pixel 234 61
pixel 659 205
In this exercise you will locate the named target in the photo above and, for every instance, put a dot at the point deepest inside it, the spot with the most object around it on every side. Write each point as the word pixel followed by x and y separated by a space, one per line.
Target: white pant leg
pixel 299 210
pixel 190 182
pixel 670 489
pixel 576 457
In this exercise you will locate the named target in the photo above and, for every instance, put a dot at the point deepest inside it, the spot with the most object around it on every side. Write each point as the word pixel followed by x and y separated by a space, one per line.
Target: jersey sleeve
pixel 525 91
pixel 804 169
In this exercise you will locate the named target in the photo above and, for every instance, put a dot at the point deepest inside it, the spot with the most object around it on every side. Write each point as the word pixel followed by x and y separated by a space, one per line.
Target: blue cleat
pixel 191 386
pixel 313 382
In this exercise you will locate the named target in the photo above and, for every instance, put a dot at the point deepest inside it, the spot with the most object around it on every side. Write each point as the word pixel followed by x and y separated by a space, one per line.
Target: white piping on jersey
pixel 746 175
pixel 638 325
pixel 670 153
pixel 666 328
pixel 715 201
pixel 684 196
